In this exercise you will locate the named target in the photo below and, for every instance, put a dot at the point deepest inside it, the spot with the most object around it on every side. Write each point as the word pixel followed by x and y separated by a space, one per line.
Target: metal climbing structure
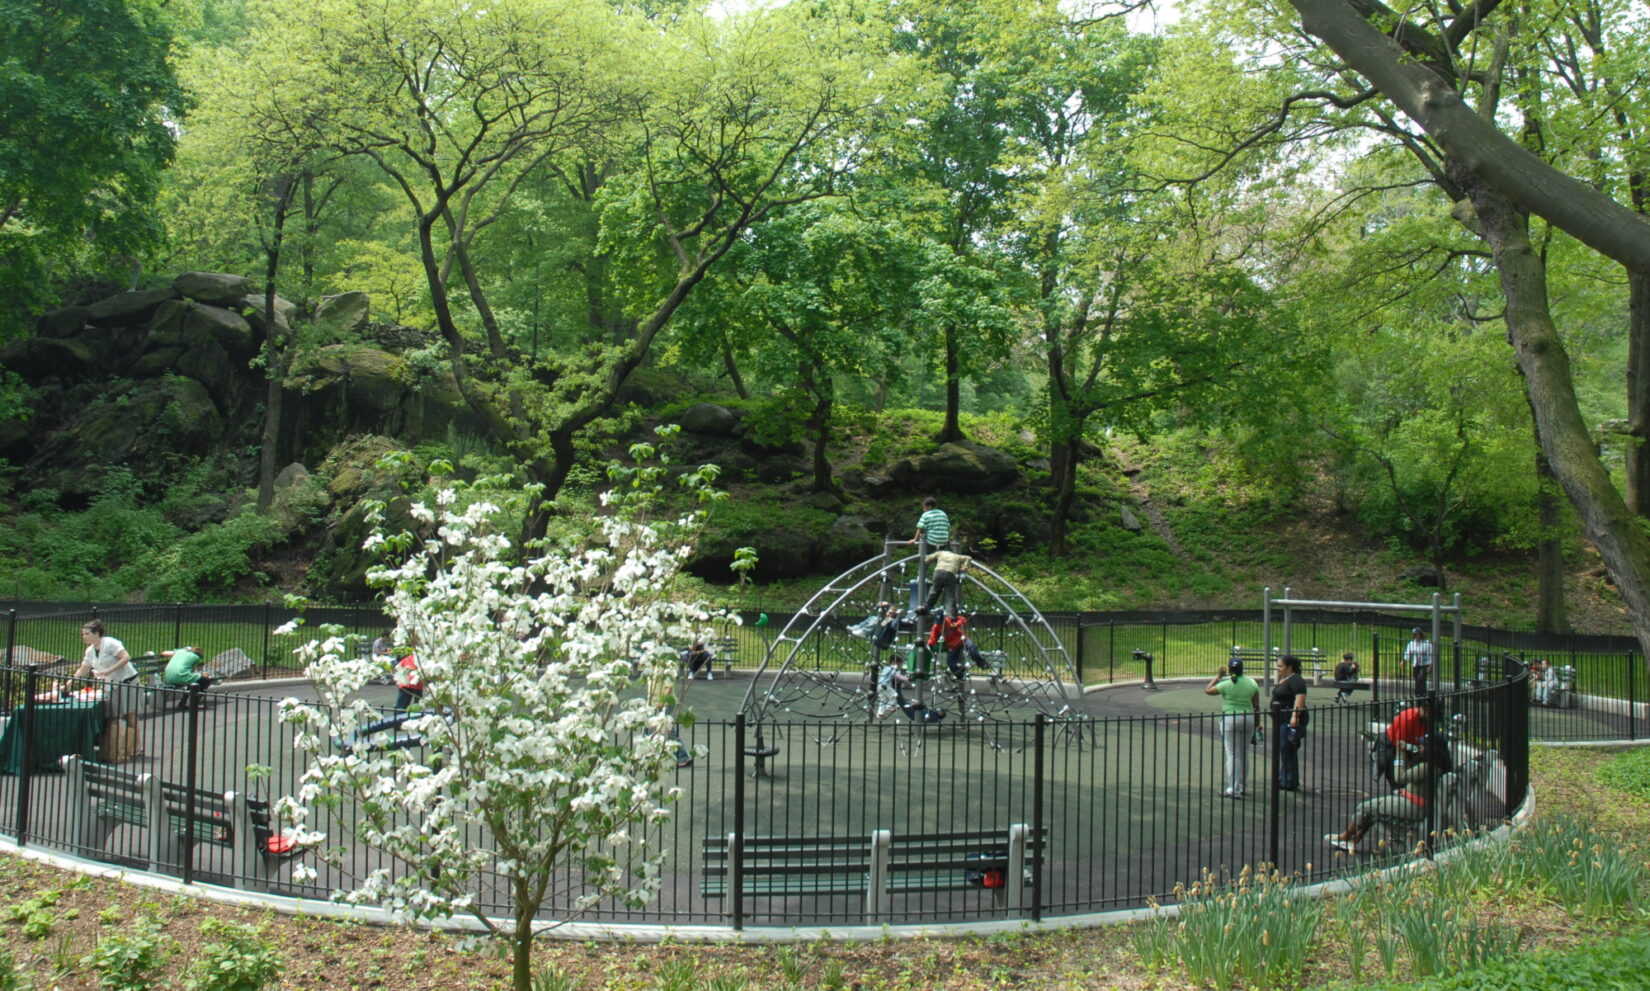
pixel 824 663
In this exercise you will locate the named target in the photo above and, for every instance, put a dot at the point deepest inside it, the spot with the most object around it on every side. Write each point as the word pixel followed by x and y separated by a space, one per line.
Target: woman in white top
pixel 107 660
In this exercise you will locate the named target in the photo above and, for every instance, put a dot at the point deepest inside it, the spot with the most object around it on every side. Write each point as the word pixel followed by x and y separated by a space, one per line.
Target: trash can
pixel 1482 671
pixel 1566 687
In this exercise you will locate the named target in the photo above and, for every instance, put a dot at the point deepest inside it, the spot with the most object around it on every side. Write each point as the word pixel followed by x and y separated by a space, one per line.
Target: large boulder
pixel 185 324
pixel 62 323
pixel 161 417
pixel 342 315
pixel 962 466
pixel 155 361
pixel 210 365
pixel 43 358
pixel 128 307
pixel 376 381
pixel 213 287
pixel 711 419
pixel 252 307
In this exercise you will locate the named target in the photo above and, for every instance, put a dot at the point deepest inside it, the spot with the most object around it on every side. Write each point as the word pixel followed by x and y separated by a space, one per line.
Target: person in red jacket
pixel 406 678
pixel 952 630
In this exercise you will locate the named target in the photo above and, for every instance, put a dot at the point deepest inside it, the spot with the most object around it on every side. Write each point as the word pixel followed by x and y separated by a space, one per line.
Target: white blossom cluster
pixel 546 720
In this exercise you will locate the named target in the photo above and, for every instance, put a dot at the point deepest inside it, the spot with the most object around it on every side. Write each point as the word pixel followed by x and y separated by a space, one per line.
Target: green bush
pixel 129 960
pixel 236 958
pixel 204 565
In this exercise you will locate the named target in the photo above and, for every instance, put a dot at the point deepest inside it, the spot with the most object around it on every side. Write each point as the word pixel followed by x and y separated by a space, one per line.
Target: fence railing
pixel 1610 698
pixel 1088 813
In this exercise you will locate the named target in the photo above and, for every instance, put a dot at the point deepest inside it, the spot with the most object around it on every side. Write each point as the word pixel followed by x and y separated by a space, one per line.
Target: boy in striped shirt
pixel 933 526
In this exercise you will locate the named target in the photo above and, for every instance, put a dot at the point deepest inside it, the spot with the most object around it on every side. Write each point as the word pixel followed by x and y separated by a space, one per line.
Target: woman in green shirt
pixel 1239 707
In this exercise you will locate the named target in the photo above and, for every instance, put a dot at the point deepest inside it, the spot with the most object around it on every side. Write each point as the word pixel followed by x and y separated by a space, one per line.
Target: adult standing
pixel 933 526
pixel 107 660
pixel 408 681
pixel 1239 708
pixel 1418 654
pixel 1289 718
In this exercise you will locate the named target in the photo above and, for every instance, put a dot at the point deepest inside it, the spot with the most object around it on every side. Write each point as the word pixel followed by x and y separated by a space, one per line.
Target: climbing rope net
pixel 825 663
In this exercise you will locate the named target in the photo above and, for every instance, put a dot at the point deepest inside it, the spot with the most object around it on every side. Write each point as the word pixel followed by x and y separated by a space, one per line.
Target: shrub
pixel 129 960
pixel 237 958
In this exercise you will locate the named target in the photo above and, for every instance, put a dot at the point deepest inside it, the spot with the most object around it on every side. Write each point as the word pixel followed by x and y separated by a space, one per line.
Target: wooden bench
pixel 877 867
pixel 104 798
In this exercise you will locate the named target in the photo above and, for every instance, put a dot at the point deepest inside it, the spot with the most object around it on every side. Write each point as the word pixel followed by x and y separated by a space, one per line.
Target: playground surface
pixel 1126 789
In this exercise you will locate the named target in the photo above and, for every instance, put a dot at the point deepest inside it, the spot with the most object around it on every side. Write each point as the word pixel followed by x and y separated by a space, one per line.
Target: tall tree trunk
pixel 1549 551
pixel 275 358
pixel 1068 455
pixel 732 368
pixel 952 431
pixel 1605 517
pixel 1638 392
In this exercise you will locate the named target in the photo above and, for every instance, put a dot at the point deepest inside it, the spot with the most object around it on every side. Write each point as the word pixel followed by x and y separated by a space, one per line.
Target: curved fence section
pixel 853 823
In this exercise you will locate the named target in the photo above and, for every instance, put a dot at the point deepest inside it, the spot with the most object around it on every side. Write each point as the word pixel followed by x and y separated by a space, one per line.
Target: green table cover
pixel 59 728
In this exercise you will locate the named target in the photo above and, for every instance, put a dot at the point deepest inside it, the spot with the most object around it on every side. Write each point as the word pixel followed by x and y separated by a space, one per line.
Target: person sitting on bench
pixel 1545 678
pixel 180 668
pixel 1416 783
pixel 699 656
pixel 1346 677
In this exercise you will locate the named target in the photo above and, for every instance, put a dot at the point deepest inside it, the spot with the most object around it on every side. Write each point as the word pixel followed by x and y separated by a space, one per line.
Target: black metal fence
pixel 950 822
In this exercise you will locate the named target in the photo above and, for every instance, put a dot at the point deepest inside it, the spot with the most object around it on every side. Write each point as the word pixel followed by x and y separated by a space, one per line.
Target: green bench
pixel 877 867
pixel 103 799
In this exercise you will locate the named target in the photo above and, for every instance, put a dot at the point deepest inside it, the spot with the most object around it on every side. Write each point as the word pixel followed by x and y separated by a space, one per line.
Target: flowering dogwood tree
pixel 546 721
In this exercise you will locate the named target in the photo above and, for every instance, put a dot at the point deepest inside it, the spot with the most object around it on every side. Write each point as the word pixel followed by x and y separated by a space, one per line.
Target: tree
pixel 546 718
pixel 89 91
pixel 1500 183
pixel 461 108
pixel 964 170
pixel 1145 299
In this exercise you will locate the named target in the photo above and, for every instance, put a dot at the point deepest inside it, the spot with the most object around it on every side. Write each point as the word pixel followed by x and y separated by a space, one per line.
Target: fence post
pixel 25 774
pixel 1375 664
pixel 11 636
pixel 269 621
pixel 1632 698
pixel 1037 821
pixel 1079 651
pixel 736 849
pixel 177 624
pixel 191 778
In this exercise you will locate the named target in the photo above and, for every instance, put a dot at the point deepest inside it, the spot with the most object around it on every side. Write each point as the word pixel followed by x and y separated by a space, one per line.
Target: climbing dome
pixel 824 665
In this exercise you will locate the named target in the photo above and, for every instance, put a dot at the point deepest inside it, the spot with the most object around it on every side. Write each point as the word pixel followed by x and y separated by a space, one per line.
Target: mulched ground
pixel 332 956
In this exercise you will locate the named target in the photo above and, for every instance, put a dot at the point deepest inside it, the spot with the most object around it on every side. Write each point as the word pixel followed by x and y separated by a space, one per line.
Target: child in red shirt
pixel 952 630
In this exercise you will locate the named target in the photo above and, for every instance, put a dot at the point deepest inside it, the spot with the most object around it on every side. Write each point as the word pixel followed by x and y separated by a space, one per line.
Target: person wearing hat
pixel 1418 655
pixel 1239 708
pixel 1416 778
